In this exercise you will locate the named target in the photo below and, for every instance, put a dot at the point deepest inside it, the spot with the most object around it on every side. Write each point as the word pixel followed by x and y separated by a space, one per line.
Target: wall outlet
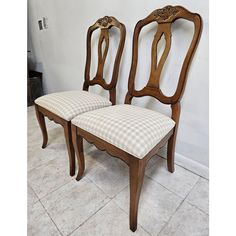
pixel 40 22
pixel 45 22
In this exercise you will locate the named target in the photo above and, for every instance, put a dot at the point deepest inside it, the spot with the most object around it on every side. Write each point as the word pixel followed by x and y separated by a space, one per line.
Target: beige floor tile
pixel 55 135
pixel 92 157
pixel 199 196
pixel 35 139
pixel 34 142
pixel 31 196
pixel 156 205
pixel 53 151
pixel 180 182
pixel 39 223
pixel 109 221
pixel 49 176
pixel 187 221
pixel 74 203
pixel 111 175
pixel 152 162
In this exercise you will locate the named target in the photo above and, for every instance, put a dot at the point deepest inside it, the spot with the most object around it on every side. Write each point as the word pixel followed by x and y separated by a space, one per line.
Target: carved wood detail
pixel 165 13
pixel 104 24
pixel 105 21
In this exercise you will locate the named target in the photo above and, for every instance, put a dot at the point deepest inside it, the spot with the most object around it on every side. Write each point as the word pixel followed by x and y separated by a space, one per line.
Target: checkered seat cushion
pixel 133 129
pixel 69 104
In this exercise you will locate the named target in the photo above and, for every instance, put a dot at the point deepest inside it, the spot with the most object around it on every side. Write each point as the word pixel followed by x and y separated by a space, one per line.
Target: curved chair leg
pixel 78 147
pixel 70 148
pixel 42 125
pixel 171 153
pixel 171 143
pixel 137 170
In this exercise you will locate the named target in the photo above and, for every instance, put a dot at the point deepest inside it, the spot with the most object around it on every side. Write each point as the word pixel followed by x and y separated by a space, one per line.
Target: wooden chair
pixel 62 107
pixel 132 133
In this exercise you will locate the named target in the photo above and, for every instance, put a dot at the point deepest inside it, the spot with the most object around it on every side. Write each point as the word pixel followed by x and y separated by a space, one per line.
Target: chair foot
pixel 78 147
pixel 70 148
pixel 171 169
pixel 133 228
pixel 137 170
pixel 42 125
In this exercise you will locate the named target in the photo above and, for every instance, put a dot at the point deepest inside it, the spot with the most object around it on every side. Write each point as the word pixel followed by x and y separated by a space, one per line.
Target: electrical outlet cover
pixel 40 24
pixel 45 22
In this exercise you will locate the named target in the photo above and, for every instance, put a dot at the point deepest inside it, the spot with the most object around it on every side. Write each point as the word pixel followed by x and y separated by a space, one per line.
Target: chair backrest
pixel 104 24
pixel 164 17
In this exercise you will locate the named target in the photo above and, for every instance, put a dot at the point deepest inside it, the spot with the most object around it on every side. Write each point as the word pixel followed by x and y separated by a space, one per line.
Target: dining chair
pixel 62 107
pixel 132 133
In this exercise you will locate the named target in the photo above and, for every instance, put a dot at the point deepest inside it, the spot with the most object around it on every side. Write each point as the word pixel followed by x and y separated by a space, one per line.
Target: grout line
pixel 120 191
pixel 184 199
pixel 197 208
pixel 87 177
pixel 40 165
pixel 155 156
pixel 184 168
pixel 103 190
pixel 167 222
pixel 128 216
pixel 165 187
pixel 89 217
pixel 109 200
pixel 97 186
pixel 54 190
pixel 192 203
pixel 51 218
pixel 203 177
pixel 33 192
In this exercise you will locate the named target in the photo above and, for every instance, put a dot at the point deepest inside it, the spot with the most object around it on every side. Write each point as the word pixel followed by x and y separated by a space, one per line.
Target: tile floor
pixel 98 205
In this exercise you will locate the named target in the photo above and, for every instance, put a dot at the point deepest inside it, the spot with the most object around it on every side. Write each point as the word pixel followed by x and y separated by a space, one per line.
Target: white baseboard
pixel 187 163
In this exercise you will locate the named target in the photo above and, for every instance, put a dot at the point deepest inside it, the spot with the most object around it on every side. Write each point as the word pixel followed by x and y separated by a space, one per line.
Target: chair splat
pixel 104 24
pixel 164 18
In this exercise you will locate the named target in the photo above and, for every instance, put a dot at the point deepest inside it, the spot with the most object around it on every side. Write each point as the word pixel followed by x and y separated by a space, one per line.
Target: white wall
pixel 60 53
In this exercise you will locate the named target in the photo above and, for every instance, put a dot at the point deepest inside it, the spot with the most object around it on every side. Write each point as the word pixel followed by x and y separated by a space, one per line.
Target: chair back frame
pixel 164 17
pixel 104 24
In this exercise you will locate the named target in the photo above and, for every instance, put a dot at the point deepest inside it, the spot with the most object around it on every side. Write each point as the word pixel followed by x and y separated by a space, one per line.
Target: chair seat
pixel 69 104
pixel 133 129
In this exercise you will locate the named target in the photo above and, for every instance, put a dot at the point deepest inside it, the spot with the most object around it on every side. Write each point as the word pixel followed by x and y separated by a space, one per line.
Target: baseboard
pixel 187 163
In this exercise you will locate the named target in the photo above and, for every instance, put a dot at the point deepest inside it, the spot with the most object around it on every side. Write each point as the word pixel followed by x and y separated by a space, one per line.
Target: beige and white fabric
pixel 133 129
pixel 69 104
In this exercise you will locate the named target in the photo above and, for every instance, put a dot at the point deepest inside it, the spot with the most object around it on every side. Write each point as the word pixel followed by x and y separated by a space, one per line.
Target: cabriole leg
pixel 136 169
pixel 70 148
pixel 42 125
pixel 78 147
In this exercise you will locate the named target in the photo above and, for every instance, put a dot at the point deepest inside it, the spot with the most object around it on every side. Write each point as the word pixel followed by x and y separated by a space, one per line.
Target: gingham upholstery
pixel 133 129
pixel 69 104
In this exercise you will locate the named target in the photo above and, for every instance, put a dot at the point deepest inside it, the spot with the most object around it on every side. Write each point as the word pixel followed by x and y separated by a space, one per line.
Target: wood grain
pixel 104 24
pixel 164 18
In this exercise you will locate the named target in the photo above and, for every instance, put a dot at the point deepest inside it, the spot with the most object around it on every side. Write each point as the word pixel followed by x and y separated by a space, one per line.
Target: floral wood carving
pixel 165 13
pixel 104 21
